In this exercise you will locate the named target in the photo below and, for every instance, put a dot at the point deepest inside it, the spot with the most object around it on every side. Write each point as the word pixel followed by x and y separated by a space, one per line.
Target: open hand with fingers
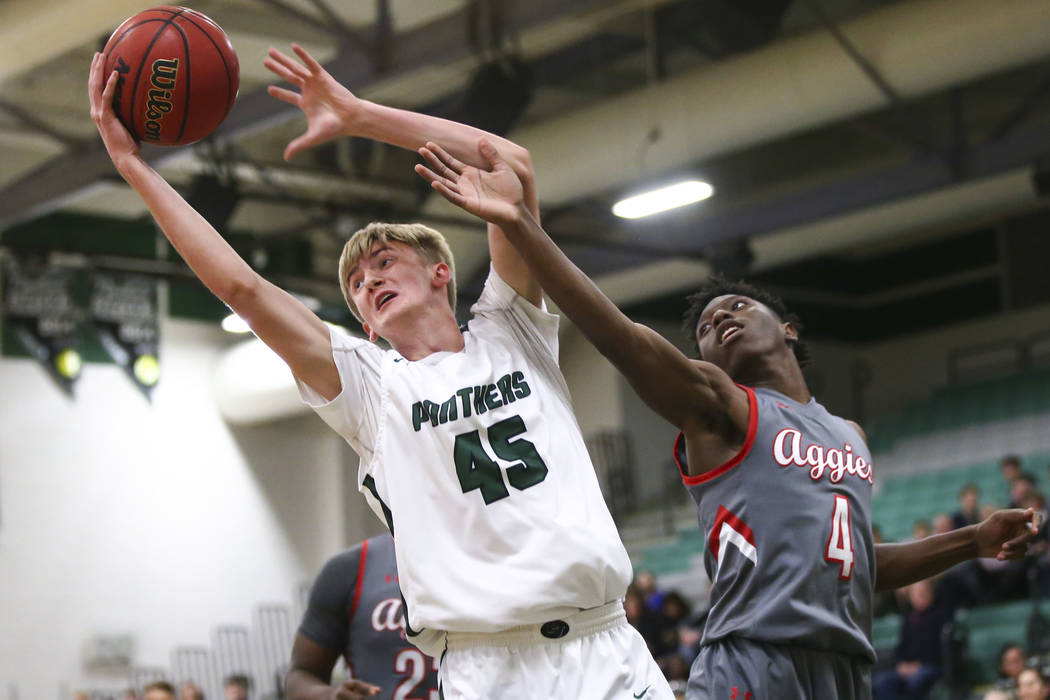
pixel 495 195
pixel 118 141
pixel 326 103
pixel 1006 534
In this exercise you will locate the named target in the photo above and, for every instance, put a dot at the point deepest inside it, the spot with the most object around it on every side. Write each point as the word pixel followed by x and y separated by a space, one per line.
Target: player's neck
pixel 782 375
pixel 434 332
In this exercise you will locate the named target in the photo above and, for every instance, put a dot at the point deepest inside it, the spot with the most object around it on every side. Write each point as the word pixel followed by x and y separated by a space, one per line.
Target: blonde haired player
pixel 510 565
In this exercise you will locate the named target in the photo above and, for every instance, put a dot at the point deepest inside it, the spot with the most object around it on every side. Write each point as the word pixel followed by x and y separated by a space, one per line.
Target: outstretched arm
pixel 689 394
pixel 278 318
pixel 1004 535
pixel 332 110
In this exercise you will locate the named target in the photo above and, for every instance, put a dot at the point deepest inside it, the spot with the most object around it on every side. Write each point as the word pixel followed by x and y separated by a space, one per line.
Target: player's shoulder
pixel 345 341
pixel 856 426
pixel 343 564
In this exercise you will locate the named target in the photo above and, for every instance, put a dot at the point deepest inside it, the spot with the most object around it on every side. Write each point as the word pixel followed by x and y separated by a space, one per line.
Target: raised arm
pixel 278 318
pixel 689 394
pixel 332 110
pixel 1005 534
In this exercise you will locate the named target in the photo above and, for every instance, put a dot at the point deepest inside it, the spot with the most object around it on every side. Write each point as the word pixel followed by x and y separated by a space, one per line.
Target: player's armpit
pixel 292 331
pixel 689 394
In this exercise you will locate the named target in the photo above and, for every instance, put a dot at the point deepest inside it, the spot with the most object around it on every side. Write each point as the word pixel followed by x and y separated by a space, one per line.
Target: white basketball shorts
pixel 591 655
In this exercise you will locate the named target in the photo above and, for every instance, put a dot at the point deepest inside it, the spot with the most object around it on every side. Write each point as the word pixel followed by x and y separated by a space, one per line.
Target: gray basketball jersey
pixel 355 607
pixel 788 526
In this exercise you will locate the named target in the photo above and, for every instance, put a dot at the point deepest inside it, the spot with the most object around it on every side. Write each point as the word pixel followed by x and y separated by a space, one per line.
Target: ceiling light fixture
pixel 662 199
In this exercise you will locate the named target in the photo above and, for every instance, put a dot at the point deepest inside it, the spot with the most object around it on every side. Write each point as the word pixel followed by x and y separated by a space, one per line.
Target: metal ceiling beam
pixel 439 42
pixel 40 126
pixel 909 179
pixel 819 203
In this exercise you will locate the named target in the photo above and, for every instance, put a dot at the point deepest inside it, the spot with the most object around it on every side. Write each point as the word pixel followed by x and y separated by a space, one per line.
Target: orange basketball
pixel 177 75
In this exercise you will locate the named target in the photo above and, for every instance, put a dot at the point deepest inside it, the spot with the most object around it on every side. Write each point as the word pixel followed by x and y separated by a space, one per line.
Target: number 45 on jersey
pixel 477 470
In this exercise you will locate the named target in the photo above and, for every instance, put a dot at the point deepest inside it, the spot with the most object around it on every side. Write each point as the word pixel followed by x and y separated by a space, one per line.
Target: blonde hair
pixel 430 245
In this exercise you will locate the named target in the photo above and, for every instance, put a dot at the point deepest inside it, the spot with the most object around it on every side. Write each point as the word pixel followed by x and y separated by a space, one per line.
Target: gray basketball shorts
pixel 741 669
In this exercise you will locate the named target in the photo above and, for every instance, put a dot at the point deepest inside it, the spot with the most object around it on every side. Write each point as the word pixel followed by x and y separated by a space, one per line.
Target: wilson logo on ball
pixel 158 103
pixel 177 75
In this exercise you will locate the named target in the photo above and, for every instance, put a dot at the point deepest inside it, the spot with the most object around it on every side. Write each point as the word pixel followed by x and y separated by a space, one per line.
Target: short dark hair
pixel 717 286
pixel 970 486
pixel 1010 459
pixel 238 679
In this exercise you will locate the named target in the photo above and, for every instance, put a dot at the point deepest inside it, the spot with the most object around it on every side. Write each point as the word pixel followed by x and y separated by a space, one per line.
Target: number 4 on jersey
pixel 476 470
pixel 840 542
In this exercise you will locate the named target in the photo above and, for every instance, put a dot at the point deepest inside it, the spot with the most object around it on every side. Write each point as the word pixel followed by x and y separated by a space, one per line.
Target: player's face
pixel 733 330
pixel 390 285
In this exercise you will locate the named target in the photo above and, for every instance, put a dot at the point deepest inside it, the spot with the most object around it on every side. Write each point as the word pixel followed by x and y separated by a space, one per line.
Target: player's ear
pixel 790 332
pixel 441 274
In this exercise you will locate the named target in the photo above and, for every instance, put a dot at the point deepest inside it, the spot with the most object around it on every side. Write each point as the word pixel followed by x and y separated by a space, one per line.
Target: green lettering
pixel 521 387
pixel 491 400
pixel 448 411
pixel 432 410
pixel 479 400
pixel 475 468
pixel 503 384
pixel 464 397
pixel 419 416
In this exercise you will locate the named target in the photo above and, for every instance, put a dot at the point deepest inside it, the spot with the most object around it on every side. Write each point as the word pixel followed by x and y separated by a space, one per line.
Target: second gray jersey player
pixel 788 525
pixel 355 607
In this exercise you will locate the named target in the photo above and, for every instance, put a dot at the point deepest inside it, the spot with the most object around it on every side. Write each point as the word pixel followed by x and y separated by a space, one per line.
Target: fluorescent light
pixel 235 324
pixel 662 199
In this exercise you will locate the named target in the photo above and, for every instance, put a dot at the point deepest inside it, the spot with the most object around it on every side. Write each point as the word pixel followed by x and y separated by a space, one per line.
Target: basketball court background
pixel 879 164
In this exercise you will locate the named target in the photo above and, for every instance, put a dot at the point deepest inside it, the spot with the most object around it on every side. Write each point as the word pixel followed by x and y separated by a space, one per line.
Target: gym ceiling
pixel 878 163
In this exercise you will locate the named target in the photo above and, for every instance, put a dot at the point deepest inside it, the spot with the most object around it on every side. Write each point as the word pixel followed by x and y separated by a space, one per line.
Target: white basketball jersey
pixel 476 463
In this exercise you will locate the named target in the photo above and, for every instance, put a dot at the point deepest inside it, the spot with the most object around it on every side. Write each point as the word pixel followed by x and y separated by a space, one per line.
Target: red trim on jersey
pixel 360 578
pixel 726 517
pixel 749 441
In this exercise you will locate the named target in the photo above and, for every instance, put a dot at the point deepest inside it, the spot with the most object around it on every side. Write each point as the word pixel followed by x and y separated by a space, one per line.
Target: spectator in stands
pixel 920 530
pixel 1011 663
pixel 942 523
pixel 236 687
pixel 673 613
pixel 652 597
pixel 642 619
pixel 918 652
pixel 1032 685
pixel 190 691
pixel 1020 488
pixel 159 690
pixel 969 512
pixel 1010 465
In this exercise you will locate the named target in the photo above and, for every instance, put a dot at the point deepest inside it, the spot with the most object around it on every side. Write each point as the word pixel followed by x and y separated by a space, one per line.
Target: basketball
pixel 177 75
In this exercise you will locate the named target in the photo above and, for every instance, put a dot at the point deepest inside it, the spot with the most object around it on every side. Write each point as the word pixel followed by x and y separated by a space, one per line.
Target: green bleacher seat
pixel 885 630
pixel 989 628
pixel 958 406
